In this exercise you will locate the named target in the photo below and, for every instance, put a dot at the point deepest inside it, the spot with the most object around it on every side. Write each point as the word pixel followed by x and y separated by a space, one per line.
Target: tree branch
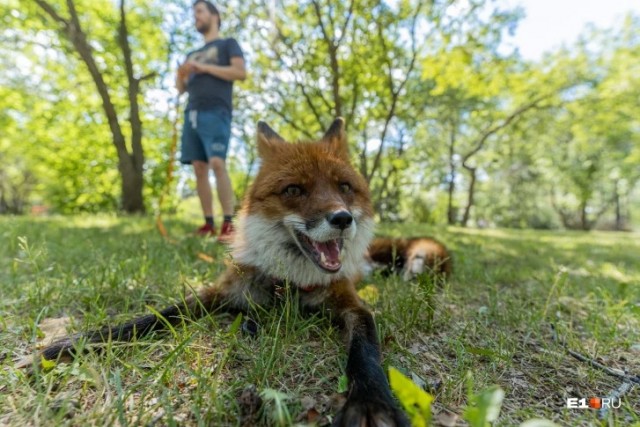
pixel 354 102
pixel 132 91
pixel 52 13
pixel 148 76
pixel 299 84
pixel 73 32
pixel 343 30
pixel 505 122
pixel 395 94
pixel 363 154
pixel 303 130
pixel 333 58
pixel 325 35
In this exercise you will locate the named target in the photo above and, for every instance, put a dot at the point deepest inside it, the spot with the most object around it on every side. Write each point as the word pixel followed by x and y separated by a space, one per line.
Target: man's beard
pixel 204 27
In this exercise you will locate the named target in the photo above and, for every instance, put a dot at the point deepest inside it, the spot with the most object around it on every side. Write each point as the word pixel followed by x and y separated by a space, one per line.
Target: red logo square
pixel 595 403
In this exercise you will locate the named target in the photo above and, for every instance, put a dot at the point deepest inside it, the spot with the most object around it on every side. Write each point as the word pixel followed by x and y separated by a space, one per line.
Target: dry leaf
pixel 312 415
pixel 24 363
pixel 445 419
pixel 53 329
pixel 308 402
pixel 206 258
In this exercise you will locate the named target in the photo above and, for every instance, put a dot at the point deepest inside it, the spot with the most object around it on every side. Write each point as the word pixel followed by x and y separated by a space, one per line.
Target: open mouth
pixel 325 255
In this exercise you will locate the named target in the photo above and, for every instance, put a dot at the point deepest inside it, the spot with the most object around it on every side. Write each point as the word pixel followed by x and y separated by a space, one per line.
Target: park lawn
pixel 490 325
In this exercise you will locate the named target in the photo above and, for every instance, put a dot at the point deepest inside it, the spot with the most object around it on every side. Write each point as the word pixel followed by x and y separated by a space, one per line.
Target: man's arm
pixel 235 71
pixel 180 85
pixel 181 77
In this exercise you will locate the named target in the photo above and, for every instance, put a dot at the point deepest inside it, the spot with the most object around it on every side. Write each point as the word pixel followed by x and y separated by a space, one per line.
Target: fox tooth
pixel 323 258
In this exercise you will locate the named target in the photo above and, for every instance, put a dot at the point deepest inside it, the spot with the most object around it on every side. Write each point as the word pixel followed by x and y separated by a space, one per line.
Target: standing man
pixel 208 75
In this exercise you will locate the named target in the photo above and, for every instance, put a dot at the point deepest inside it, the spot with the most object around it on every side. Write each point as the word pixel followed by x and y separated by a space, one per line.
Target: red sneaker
pixel 206 231
pixel 226 232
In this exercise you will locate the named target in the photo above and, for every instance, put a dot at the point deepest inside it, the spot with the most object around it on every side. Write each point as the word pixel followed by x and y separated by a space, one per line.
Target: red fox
pixel 410 257
pixel 306 223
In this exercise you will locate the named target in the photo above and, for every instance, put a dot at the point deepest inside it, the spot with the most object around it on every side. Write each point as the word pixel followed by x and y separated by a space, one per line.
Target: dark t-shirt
pixel 207 92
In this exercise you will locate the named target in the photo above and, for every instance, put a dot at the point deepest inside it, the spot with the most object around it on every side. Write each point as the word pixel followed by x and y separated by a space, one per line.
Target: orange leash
pixel 169 177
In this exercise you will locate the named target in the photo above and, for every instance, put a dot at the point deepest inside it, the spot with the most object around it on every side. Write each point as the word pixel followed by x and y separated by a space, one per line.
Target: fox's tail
pixel 192 307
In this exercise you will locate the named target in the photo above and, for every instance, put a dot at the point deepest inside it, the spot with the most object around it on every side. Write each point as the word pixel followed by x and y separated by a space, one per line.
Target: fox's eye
pixel 292 191
pixel 345 187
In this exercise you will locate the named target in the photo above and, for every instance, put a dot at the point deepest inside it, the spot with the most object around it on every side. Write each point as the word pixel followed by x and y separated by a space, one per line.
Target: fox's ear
pixel 267 139
pixel 337 137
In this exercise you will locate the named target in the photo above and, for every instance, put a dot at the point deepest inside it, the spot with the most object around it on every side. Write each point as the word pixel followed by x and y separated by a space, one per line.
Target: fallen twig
pixel 614 372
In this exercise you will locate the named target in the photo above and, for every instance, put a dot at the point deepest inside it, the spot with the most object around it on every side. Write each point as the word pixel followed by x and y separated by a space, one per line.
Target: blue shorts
pixel 205 135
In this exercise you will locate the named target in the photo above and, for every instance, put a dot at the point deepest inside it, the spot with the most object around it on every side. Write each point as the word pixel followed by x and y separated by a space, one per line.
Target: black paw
pixel 250 327
pixel 370 413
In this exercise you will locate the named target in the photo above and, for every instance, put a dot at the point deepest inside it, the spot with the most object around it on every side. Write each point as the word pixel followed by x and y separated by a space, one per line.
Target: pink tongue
pixel 331 251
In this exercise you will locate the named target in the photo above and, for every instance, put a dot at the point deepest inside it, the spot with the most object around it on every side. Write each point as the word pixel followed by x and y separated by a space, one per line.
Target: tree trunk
pixel 470 195
pixel 619 221
pixel 132 185
pixel 584 221
pixel 130 165
pixel 132 200
pixel 451 211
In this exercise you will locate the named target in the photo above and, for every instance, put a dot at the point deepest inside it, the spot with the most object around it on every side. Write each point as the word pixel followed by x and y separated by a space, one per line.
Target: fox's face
pixel 308 216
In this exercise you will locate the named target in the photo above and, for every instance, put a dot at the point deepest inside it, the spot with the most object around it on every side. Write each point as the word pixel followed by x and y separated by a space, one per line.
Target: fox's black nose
pixel 341 219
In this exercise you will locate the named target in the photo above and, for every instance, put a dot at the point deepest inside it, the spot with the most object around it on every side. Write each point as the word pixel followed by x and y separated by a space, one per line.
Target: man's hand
pixel 183 71
pixel 197 67
pixel 182 76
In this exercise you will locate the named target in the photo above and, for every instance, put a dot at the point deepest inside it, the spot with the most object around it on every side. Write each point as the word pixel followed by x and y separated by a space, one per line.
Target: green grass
pixel 489 325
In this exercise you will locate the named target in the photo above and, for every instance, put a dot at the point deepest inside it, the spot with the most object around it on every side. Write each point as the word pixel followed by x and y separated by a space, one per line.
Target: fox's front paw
pixel 370 413
pixel 414 267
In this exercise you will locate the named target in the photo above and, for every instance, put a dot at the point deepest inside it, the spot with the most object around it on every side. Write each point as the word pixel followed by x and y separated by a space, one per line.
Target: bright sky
pixel 550 23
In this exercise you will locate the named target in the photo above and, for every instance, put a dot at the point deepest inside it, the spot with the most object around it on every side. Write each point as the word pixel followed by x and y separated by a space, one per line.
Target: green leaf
pixel 276 406
pixel 343 384
pixel 484 408
pixel 47 364
pixel 235 326
pixel 415 401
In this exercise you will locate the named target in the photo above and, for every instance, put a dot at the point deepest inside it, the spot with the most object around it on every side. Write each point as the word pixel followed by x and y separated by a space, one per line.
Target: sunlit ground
pixel 490 325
